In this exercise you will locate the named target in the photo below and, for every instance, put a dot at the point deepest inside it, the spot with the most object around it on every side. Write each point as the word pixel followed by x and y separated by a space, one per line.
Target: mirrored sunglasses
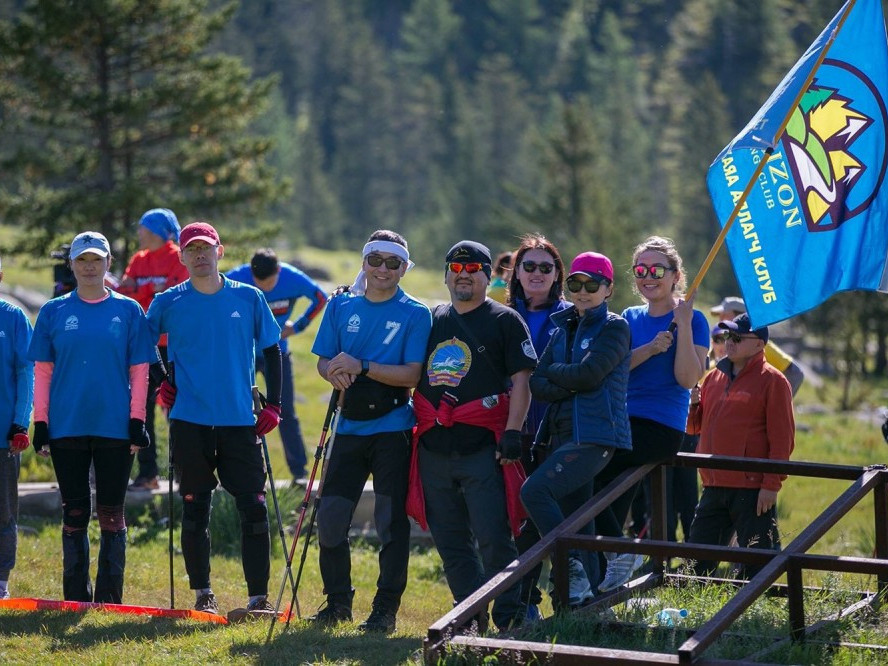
pixel 458 267
pixel 545 267
pixel 657 271
pixel 575 285
pixel 392 263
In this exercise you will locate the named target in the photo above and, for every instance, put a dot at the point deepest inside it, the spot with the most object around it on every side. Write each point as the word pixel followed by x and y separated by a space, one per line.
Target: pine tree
pixel 110 107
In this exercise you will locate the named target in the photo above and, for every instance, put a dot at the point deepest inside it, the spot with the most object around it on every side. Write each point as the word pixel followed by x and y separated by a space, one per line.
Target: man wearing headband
pixel 151 270
pixel 471 403
pixel 370 345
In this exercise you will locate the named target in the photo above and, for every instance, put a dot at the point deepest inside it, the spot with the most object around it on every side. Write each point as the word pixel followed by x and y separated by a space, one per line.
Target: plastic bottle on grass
pixel 669 617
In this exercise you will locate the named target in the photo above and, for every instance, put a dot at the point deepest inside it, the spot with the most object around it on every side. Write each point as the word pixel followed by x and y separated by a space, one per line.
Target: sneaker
pixel 260 609
pixel 206 603
pixel 381 619
pixel 145 483
pixel 619 570
pixel 332 613
pixel 579 589
pixel 5 594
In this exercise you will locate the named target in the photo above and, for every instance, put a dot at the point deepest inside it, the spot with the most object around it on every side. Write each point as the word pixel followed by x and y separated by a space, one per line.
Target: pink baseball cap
pixel 198 231
pixel 593 265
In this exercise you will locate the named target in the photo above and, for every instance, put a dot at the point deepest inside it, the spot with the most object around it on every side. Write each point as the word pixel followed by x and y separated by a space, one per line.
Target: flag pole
pixel 719 241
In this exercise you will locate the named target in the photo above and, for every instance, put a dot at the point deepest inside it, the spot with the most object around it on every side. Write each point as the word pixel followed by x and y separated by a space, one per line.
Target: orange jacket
pixel 747 416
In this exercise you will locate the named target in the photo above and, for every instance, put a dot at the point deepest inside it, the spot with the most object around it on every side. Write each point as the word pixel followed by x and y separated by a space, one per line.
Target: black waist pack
pixel 368 399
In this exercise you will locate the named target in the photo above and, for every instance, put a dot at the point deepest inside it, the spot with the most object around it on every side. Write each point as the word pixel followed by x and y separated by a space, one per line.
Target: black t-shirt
pixel 454 365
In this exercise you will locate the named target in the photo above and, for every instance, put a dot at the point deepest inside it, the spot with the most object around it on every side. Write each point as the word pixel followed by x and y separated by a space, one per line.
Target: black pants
pixel 353 459
pixel 235 453
pixel 681 503
pixel 651 442
pixel 724 511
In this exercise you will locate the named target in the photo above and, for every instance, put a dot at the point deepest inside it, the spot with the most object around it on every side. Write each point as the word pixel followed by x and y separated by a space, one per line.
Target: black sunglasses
pixel 545 267
pixel 591 286
pixel 737 338
pixel 392 263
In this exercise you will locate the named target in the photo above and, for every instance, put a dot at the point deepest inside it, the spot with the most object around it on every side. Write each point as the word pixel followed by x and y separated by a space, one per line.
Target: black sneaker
pixel 260 609
pixel 381 620
pixel 206 603
pixel 332 613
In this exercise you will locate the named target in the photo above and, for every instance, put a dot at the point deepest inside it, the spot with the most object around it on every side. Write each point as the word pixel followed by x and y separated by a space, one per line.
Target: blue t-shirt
pixel 653 392
pixel 211 341
pixel 16 371
pixel 292 285
pixel 92 347
pixel 393 332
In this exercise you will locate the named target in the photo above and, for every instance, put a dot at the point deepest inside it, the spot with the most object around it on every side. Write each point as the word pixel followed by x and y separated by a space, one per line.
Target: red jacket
pixel 474 413
pixel 748 416
pixel 148 268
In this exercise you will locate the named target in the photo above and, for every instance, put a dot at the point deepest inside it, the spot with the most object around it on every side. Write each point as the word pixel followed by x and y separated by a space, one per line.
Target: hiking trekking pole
pixel 171 515
pixel 319 455
pixel 258 403
pixel 328 448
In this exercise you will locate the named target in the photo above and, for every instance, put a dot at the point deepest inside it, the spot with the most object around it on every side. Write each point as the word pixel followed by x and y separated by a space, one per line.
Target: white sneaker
pixel 4 594
pixel 579 589
pixel 619 570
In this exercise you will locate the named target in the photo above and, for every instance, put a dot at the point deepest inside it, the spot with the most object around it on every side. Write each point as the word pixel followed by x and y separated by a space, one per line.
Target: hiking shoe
pixel 145 483
pixel 206 603
pixel 5 594
pixel 579 589
pixel 619 570
pixel 260 609
pixel 381 619
pixel 332 613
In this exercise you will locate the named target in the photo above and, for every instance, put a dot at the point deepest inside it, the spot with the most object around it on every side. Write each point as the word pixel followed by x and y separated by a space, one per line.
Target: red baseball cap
pixel 593 264
pixel 198 231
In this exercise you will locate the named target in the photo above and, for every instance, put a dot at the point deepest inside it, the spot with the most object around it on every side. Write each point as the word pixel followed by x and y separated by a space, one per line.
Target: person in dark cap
pixel 214 326
pixel 470 404
pixel 151 270
pixel 730 307
pixel 283 285
pixel 745 410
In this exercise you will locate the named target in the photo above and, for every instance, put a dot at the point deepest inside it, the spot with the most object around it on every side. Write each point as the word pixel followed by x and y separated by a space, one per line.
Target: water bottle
pixel 669 617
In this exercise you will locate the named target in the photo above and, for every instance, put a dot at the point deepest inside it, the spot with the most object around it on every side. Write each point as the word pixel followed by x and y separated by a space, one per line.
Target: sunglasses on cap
pixel 545 267
pixel 471 267
pixel 392 263
pixel 737 338
pixel 575 285
pixel 657 271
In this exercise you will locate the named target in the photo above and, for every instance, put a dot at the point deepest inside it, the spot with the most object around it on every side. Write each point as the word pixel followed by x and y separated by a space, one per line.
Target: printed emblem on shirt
pixel 280 306
pixel 529 351
pixel 354 324
pixel 116 327
pixel 449 362
pixel 392 327
pixel 2 334
pixel 235 315
pixel 72 323
pixel 584 344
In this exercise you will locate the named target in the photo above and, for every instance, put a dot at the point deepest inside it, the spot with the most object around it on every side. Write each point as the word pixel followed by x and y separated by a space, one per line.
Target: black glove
pixel 16 429
pixel 41 436
pixel 885 431
pixel 509 445
pixel 138 436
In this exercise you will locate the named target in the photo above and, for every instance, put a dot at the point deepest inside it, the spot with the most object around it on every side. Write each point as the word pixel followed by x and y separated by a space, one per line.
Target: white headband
pixel 360 284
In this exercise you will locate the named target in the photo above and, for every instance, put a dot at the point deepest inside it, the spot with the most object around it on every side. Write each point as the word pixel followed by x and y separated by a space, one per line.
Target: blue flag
pixel 816 220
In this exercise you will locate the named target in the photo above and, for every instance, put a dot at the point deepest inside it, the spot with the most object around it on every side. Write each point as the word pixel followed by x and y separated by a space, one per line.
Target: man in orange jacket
pixel 151 270
pixel 745 410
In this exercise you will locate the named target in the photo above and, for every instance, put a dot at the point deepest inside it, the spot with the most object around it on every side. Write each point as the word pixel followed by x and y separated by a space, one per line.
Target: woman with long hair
pixel 667 362
pixel 92 348
pixel 536 291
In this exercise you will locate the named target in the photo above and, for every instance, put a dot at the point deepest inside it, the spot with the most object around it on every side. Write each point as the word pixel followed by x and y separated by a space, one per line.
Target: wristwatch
pixel 365 367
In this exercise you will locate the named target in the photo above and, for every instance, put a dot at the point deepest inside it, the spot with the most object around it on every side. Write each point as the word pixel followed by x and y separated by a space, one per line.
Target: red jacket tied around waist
pixel 472 413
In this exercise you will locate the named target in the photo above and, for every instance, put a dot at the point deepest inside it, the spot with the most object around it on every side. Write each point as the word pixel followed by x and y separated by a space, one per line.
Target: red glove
pixel 167 394
pixel 17 438
pixel 268 419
